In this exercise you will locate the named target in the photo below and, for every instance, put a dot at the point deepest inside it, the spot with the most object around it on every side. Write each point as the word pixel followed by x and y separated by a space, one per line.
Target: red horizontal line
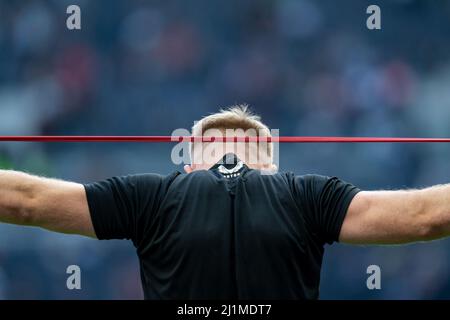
pixel 219 139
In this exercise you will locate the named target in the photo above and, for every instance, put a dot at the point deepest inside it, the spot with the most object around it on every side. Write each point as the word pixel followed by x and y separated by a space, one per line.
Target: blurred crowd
pixel 150 67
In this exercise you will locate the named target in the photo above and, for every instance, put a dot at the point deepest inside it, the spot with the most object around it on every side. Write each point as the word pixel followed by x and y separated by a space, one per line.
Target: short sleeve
pixel 324 202
pixel 122 207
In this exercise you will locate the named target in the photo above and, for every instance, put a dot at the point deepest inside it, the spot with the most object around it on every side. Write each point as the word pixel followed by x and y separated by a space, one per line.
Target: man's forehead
pixel 231 131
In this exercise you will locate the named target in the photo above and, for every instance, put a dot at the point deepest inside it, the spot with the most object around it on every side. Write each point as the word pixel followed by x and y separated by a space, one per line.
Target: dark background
pixel 150 67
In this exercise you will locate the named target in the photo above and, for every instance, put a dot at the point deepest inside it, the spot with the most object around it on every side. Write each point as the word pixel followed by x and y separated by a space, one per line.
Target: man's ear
pixel 188 168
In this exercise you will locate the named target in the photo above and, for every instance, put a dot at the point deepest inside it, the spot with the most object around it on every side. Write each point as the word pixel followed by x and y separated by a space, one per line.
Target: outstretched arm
pixel 55 205
pixel 395 217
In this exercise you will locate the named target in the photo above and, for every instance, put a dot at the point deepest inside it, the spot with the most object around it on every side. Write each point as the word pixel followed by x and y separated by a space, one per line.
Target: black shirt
pixel 224 234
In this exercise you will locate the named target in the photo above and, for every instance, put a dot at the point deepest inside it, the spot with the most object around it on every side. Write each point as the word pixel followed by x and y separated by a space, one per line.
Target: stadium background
pixel 149 67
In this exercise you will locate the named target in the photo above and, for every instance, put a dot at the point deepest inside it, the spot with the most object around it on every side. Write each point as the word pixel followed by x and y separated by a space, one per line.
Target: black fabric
pixel 204 236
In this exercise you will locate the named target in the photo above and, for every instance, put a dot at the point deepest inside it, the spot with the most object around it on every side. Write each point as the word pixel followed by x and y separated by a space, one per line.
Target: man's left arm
pixel 396 217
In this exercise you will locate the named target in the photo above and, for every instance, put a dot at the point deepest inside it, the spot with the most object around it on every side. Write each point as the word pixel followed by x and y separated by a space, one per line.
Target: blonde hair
pixel 237 117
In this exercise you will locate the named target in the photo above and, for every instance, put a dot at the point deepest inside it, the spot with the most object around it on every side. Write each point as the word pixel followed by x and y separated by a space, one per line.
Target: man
pixel 227 229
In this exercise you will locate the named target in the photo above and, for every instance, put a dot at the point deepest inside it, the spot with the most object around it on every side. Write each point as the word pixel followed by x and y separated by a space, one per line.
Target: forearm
pixel 17 193
pixel 396 217
pixel 435 215
pixel 52 204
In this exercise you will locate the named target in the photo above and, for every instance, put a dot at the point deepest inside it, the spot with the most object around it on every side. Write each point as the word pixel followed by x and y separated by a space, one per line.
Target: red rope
pixel 221 139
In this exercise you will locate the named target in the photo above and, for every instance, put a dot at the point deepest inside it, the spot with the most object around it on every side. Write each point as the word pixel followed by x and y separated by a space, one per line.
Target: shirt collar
pixel 230 166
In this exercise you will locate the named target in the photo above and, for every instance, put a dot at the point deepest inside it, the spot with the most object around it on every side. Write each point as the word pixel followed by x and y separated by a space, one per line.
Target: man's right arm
pixel 52 204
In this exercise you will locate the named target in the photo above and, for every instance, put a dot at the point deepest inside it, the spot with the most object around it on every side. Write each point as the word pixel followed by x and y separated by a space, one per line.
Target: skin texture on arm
pixel 397 217
pixel 51 204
